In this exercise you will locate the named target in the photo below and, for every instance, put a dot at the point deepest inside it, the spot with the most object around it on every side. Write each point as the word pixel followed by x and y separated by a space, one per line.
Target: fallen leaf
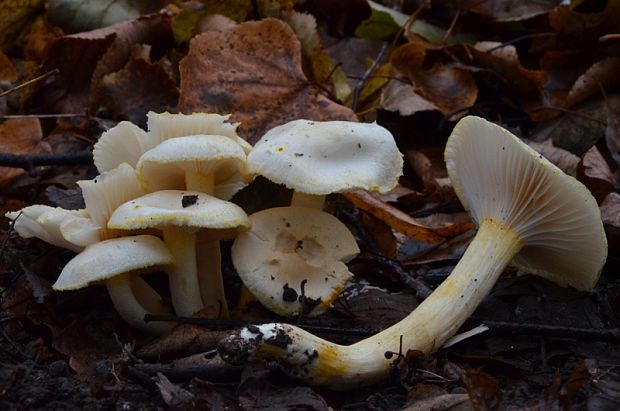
pixel 14 19
pixel 83 59
pixel 509 10
pixel 564 159
pixel 129 94
pixel 594 172
pixel 20 136
pixel 184 339
pixel 8 72
pixel 173 395
pixel 483 390
pixel 430 167
pixel 343 16
pixel 610 210
pixel 253 71
pixel 392 216
pixel 603 74
pixel 443 402
pixel 399 96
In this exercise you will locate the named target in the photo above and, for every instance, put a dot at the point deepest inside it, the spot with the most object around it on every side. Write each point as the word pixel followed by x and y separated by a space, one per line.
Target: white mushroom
pixel 118 262
pixel 123 143
pixel 293 247
pixel 318 158
pixel 528 211
pixel 180 215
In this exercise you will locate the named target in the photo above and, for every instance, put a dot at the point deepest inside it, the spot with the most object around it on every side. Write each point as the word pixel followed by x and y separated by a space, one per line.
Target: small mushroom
pixel 529 213
pixel 180 215
pixel 318 158
pixel 212 164
pixel 123 143
pixel 293 259
pixel 118 262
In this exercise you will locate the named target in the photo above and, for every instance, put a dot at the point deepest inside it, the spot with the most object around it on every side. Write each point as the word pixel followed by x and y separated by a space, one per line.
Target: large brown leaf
pixel 253 71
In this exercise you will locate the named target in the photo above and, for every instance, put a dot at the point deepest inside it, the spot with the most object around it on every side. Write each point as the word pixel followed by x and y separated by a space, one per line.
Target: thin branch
pixel 518 39
pixel 27 83
pixel 360 85
pixel 29 161
pixel 60 115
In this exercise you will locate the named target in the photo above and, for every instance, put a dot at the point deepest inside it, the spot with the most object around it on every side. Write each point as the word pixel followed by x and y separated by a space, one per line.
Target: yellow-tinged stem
pixel 209 262
pixel 131 308
pixel 205 183
pixel 182 275
pixel 307 200
pixel 433 322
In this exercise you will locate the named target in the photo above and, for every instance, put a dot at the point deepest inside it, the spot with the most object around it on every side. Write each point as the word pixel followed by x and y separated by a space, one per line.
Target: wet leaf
pixel 594 172
pixel 254 72
pixel 20 136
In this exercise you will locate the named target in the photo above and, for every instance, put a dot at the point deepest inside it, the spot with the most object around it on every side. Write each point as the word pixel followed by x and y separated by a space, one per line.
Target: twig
pixel 518 39
pixel 595 334
pixel 29 161
pixel 26 83
pixel 572 112
pixel 60 115
pixel 216 372
pixel 451 28
pixel 421 289
pixel 226 324
pixel 360 85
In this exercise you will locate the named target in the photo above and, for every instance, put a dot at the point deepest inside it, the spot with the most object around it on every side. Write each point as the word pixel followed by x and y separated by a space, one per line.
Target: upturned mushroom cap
pixel 167 125
pixel 165 166
pixel 123 143
pixel 290 245
pixel 109 258
pixel 320 158
pixel 496 176
pixel 190 210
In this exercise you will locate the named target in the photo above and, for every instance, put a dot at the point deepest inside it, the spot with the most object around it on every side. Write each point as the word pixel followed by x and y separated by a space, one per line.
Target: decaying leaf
pixel 254 72
pixel 15 15
pixel 173 395
pixel 603 73
pixel 594 172
pixel 400 97
pixel 610 210
pixel 20 136
pixel 509 10
pixel 182 340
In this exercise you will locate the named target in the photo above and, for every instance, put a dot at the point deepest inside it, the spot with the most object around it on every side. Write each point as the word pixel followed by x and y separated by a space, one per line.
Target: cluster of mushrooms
pixel 160 203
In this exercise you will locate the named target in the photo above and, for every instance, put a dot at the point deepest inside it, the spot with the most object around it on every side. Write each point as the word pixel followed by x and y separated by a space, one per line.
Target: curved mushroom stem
pixel 300 199
pixel 130 305
pixel 434 321
pixel 209 262
pixel 182 275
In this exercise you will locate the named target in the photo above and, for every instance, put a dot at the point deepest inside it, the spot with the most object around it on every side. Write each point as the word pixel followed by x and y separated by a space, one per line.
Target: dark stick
pixel 421 289
pixel 595 334
pixel 225 324
pixel 29 161
pixel 210 372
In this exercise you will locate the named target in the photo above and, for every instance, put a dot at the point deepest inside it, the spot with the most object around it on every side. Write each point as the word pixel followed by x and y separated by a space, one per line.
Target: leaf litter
pixel 547 71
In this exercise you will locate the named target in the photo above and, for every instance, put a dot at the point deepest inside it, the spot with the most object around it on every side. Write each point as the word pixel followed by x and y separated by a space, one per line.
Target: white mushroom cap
pixel 498 177
pixel 165 166
pixel 190 210
pixel 166 125
pixel 288 245
pixel 320 158
pixel 123 143
pixel 107 259
pixel 71 229
pixel 104 193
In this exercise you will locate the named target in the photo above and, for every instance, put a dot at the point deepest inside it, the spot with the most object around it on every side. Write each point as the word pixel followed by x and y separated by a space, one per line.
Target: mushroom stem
pixel 131 308
pixel 182 275
pixel 434 321
pixel 209 262
pixel 204 183
pixel 307 200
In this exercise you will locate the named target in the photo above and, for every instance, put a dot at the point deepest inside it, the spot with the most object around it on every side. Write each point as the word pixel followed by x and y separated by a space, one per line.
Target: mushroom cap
pixel 288 245
pixel 319 158
pixel 123 143
pixel 496 176
pixel 166 125
pixel 110 258
pixel 164 167
pixel 189 210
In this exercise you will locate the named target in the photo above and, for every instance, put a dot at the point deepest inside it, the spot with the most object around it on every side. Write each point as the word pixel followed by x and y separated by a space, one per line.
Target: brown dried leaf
pixel 393 217
pixel 254 72
pixel 610 210
pixel 184 339
pixel 15 17
pixel 564 159
pixel 509 10
pixel 83 59
pixel 20 136
pixel 8 72
pixel 483 390
pixel 400 97
pixel 594 172
pixel 431 169
pixel 129 93
pixel 603 73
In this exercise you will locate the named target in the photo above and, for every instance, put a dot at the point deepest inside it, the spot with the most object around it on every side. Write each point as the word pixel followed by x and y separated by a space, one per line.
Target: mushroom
pixel 212 164
pixel 123 143
pixel 528 212
pixel 118 262
pixel 293 259
pixel 318 158
pixel 180 215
